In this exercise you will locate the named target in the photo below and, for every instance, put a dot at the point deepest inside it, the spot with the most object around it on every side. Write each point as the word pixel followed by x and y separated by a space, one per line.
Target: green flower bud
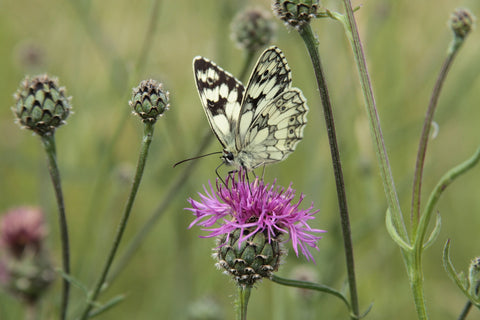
pixel 254 259
pixel 149 100
pixel 252 29
pixel 474 276
pixel 461 22
pixel 41 104
pixel 295 12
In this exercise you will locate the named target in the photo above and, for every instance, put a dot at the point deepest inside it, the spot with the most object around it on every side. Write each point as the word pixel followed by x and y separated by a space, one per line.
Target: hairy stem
pixel 308 37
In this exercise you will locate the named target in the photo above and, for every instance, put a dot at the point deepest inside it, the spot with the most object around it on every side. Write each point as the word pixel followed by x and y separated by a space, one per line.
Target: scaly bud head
pixel 41 105
pixel 149 100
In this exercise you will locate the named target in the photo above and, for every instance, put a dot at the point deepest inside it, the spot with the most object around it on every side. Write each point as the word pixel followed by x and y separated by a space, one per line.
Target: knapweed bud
pixel 250 260
pixel 474 275
pixel 461 22
pixel 149 100
pixel 41 105
pixel 25 268
pixel 295 12
pixel 252 29
pixel 22 229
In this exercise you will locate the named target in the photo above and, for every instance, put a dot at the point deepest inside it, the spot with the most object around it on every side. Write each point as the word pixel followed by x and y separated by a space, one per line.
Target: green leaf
pixel 108 305
pixel 311 286
pixel 394 234
pixel 459 279
pixel 435 232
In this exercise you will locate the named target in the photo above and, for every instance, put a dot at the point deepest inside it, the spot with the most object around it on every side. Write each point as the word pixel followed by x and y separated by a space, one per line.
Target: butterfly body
pixel 256 125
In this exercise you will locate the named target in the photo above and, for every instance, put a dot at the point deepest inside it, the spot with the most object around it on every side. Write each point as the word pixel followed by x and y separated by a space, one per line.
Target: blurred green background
pixel 96 48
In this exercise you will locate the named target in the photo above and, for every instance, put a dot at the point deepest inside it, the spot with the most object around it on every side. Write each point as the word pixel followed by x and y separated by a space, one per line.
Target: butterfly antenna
pixel 198 157
pixel 218 175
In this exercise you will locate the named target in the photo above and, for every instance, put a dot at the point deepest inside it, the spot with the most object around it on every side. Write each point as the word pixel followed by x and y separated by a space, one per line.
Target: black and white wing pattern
pixel 221 95
pixel 258 125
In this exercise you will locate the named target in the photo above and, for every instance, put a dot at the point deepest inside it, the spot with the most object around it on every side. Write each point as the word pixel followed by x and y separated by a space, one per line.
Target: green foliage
pixel 101 49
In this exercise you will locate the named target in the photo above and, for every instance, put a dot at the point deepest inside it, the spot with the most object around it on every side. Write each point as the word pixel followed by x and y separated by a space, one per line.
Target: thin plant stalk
pixel 243 295
pixel 422 147
pixel 146 141
pixel 374 120
pixel 308 37
pixel 107 158
pixel 50 148
pixel 250 54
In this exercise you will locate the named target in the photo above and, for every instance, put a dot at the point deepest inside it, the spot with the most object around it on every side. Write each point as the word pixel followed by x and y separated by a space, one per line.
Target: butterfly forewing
pixel 221 95
pixel 270 77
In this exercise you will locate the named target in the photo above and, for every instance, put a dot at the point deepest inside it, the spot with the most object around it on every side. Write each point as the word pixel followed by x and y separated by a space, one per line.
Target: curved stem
pixel 50 148
pixel 243 295
pixel 444 182
pixel 308 37
pixel 422 147
pixel 147 139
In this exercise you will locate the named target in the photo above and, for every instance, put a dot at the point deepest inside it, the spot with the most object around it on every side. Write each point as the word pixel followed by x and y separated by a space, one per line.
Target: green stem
pixel 465 310
pixel 415 269
pixel 374 121
pixel 444 182
pixel 243 295
pixel 137 240
pixel 147 139
pixel 50 148
pixel 308 37
pixel 422 147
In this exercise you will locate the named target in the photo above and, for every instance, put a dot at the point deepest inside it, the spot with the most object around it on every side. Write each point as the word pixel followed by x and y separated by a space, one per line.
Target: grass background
pixel 95 48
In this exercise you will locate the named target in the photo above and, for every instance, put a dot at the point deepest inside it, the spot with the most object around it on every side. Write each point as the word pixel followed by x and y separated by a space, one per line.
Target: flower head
pixel 22 228
pixel 252 29
pixel 254 208
pixel 41 105
pixel 149 100
pixel 25 268
pixel 461 22
pixel 295 13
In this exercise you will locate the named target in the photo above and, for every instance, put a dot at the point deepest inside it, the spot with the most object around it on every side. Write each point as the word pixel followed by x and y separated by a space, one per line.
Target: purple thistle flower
pixel 254 208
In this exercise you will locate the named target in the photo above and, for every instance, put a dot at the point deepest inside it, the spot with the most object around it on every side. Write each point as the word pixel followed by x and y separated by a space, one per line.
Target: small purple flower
pixel 21 228
pixel 254 208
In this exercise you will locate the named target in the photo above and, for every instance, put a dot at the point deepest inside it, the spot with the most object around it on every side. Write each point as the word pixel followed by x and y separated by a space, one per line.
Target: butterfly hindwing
pixel 221 95
pixel 276 131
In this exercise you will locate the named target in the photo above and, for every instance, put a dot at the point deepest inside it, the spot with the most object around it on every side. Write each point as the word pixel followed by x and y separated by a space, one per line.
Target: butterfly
pixel 259 124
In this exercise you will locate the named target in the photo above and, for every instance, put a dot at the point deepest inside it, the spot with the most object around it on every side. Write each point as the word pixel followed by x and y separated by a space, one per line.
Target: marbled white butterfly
pixel 257 125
